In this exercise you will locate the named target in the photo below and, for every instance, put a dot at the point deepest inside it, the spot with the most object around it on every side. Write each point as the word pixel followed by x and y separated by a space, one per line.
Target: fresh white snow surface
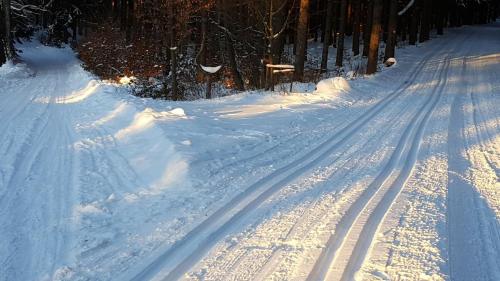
pixel 389 177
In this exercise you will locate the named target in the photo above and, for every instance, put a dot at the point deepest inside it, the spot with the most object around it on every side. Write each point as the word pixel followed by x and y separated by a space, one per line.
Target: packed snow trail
pixel 389 177
pixel 357 240
pixel 35 197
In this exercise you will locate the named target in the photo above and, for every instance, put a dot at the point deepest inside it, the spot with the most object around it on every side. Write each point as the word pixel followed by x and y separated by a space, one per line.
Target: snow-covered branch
pixel 408 6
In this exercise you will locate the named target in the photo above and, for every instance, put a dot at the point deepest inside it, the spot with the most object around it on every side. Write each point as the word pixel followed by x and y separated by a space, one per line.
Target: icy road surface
pixel 390 177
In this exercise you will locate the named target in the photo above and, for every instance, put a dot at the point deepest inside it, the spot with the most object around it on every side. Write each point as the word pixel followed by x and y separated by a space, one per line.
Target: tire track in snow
pixel 354 233
pixel 185 253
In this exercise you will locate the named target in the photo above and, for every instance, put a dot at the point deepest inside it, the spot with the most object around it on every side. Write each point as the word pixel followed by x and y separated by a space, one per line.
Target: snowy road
pixel 395 177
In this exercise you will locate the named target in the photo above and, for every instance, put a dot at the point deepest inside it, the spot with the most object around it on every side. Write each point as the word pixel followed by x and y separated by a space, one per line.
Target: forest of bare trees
pixel 165 43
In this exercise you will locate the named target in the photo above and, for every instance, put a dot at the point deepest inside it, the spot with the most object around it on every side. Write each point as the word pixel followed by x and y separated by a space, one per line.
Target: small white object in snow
pixel 125 80
pixel 390 62
pixel 178 111
pixel 333 85
pixel 211 69
pixel 111 198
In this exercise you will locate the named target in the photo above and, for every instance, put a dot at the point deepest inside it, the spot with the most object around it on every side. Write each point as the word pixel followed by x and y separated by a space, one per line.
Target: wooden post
pixel 173 69
pixel 209 86
pixel 277 69
pixel 209 71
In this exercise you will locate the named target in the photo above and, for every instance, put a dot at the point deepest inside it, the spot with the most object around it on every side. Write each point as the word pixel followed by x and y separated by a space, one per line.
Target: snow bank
pixel 333 86
pixel 390 62
pixel 14 71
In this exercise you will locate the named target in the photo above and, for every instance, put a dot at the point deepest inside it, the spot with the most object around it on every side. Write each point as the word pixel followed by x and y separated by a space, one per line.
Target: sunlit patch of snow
pixel 333 86
pixel 145 120
pixel 125 80
pixel 113 114
pixel 82 94
pixel 178 112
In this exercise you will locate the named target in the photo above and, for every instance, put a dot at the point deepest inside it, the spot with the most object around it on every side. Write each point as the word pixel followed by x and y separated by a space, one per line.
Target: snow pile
pixel 125 80
pixel 14 71
pixel 333 86
pixel 390 62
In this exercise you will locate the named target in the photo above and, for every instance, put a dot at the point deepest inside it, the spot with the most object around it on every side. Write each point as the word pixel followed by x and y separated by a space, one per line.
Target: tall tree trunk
pixel 375 37
pixel 328 35
pixel 123 15
pixel 174 48
pixel 425 23
pixel 367 28
pixel 229 46
pixel 413 30
pixel 341 36
pixel 7 40
pixel 278 21
pixel 3 58
pixel 391 30
pixel 130 21
pixel 356 27
pixel 440 17
pixel 301 39
pixel 173 69
pixel 404 28
pixel 201 57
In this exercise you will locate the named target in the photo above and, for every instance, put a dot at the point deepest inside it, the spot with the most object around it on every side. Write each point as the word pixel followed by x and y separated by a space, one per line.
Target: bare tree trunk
pixel 356 27
pixel 173 70
pixel 340 41
pixel 367 28
pixel 3 58
pixel 375 37
pixel 328 35
pixel 413 25
pixel 123 14
pixel 7 40
pixel 229 46
pixel 425 23
pixel 201 57
pixel 404 28
pixel 440 17
pixel 392 35
pixel 173 52
pixel 130 21
pixel 277 44
pixel 301 39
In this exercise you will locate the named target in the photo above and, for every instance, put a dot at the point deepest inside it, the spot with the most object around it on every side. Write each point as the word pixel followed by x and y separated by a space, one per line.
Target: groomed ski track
pixel 335 209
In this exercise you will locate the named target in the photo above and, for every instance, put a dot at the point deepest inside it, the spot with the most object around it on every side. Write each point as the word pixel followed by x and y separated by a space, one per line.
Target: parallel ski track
pixel 315 193
pixel 344 161
pixel 356 230
pixel 192 247
pixel 368 233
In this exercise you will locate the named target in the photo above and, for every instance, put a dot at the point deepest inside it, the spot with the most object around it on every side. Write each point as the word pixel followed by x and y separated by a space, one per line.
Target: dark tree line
pixel 169 40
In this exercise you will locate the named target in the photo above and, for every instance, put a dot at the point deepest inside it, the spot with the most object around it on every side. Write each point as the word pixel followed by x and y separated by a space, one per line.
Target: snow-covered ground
pixel 390 177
